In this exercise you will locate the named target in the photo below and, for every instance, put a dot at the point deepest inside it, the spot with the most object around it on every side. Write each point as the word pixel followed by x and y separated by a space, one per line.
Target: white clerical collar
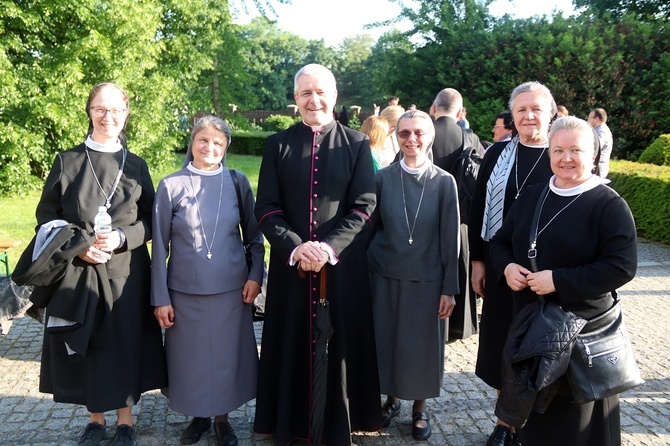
pixel 416 170
pixel 98 147
pixel 317 128
pixel 207 173
pixel 587 185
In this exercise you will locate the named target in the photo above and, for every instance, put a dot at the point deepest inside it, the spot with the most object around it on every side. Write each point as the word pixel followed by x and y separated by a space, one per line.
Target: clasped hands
pixel 100 251
pixel 518 278
pixel 310 256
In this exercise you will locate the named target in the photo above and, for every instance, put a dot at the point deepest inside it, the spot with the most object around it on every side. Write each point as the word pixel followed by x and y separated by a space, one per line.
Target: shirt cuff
pixel 332 258
pixel 291 260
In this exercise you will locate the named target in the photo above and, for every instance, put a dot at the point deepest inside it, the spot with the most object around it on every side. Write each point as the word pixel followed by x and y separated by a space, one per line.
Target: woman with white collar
pixel 125 355
pixel 413 260
pixel 202 287
pixel 584 243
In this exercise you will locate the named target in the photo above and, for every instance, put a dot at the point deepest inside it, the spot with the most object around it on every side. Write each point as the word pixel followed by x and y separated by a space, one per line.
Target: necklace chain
pixel 108 198
pixel 416 215
pixel 516 171
pixel 533 245
pixel 218 212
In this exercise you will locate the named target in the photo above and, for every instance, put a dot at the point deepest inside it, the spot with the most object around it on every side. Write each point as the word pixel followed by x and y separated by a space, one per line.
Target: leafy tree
pixel 271 57
pixel 352 78
pixel 618 63
pixel 51 54
pixel 642 9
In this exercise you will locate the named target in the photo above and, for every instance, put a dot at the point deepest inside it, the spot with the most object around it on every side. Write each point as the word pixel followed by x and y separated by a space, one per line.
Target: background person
pixel 507 169
pixel 598 120
pixel 503 129
pixel 123 348
pixel 586 249
pixel 562 112
pixel 413 260
pixel 392 113
pixel 315 196
pixel 450 141
pixel 208 322
pixel 377 129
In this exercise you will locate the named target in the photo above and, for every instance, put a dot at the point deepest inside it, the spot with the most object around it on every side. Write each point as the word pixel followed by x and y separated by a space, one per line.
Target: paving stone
pixel 461 416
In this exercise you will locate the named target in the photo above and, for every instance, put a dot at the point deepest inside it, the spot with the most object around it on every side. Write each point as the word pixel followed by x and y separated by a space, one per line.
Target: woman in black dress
pixel 508 169
pixel 124 352
pixel 586 247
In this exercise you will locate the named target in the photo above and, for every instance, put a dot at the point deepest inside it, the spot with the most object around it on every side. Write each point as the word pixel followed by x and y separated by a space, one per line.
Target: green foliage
pixel 248 143
pixel 641 8
pixel 277 123
pixel 646 189
pixel 620 63
pixel 355 121
pixel 658 152
pixel 53 53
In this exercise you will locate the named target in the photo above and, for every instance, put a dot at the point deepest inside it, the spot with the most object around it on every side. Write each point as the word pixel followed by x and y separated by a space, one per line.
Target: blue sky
pixel 335 20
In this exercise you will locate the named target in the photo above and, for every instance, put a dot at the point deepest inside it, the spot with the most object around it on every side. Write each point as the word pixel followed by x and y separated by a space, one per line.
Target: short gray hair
pixel 316 70
pixel 534 86
pixel 207 122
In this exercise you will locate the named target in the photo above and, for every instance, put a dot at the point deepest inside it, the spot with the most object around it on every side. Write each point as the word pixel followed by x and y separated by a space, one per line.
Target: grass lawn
pixel 17 213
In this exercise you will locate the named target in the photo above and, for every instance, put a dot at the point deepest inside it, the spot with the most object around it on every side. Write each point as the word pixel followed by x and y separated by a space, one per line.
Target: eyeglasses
pixel 498 125
pixel 100 112
pixel 407 133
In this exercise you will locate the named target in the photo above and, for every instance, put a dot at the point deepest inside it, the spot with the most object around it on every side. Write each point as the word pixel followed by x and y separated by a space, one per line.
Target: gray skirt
pixel 211 353
pixel 410 337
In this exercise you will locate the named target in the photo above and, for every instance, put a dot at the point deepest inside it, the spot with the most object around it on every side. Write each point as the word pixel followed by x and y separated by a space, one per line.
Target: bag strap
pixel 236 183
pixel 532 252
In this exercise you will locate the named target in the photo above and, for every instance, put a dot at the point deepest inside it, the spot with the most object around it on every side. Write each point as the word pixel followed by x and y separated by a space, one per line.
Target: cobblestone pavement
pixel 462 415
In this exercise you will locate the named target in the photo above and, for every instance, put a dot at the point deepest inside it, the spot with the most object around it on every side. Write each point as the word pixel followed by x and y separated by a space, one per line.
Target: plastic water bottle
pixel 102 223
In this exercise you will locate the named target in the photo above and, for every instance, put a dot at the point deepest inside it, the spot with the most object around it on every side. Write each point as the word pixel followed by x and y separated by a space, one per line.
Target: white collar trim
pixel 108 148
pixel 587 185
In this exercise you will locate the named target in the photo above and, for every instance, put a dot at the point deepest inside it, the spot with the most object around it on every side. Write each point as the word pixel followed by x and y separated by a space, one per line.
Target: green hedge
pixel 249 143
pixel 646 188
pixel 658 152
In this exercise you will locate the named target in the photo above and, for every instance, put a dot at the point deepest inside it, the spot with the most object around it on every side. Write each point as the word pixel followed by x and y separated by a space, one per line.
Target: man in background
pixel 598 120
pixel 504 127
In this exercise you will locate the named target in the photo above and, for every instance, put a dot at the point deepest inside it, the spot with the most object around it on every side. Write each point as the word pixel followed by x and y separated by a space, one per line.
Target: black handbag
pixel 602 363
pixel 257 310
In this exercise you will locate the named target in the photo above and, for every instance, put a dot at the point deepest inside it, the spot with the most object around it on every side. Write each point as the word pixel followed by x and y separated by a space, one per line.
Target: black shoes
pixel 502 436
pixel 93 434
pixel 389 411
pixel 125 436
pixel 225 435
pixel 514 440
pixel 420 433
pixel 194 431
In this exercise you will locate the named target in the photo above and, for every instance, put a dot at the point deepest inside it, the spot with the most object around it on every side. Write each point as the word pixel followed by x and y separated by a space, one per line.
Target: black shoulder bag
pixel 257 313
pixel 602 363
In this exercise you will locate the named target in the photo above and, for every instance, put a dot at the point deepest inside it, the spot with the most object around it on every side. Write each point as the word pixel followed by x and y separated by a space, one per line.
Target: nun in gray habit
pixel 202 287
pixel 413 260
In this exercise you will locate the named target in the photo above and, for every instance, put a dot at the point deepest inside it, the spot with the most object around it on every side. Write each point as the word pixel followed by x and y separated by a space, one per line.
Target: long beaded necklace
pixel 516 171
pixel 108 198
pixel 202 225
pixel 402 184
